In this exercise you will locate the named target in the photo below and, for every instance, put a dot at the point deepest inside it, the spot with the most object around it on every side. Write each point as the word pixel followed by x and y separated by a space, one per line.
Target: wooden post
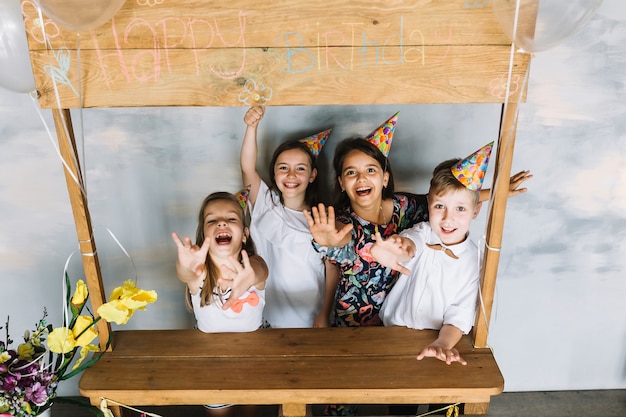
pixel 87 245
pixel 495 223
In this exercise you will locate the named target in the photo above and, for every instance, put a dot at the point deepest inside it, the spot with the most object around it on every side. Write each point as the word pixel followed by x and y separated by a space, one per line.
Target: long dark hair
pixel 341 200
pixel 311 196
pixel 210 281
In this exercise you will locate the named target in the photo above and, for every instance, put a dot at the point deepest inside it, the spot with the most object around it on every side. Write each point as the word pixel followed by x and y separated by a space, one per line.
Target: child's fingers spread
pixel 245 259
pixel 177 240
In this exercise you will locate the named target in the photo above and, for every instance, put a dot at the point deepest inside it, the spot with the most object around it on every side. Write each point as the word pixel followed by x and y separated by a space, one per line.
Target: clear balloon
pixel 16 72
pixel 80 15
pixel 542 24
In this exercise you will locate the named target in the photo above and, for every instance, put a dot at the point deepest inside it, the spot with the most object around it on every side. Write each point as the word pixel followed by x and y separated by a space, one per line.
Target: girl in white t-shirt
pixel 224 277
pixel 301 288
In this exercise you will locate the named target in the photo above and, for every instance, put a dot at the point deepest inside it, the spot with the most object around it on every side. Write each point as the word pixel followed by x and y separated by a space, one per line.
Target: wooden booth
pixel 237 53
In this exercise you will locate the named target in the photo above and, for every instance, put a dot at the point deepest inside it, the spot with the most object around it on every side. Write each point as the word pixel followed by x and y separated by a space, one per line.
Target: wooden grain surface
pixel 198 53
pixel 287 366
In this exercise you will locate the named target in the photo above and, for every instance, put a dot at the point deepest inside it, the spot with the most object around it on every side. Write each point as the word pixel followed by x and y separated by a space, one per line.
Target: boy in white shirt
pixel 439 284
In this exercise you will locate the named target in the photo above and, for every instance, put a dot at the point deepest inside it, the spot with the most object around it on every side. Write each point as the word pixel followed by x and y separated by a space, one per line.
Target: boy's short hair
pixel 443 180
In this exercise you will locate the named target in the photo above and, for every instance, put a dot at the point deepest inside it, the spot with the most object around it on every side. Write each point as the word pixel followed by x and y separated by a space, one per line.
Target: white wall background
pixel 559 318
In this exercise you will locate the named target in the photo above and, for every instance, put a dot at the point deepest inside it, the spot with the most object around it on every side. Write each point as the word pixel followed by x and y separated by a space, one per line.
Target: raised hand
pixel 324 229
pixel 516 180
pixel 191 262
pixel 239 277
pixel 254 115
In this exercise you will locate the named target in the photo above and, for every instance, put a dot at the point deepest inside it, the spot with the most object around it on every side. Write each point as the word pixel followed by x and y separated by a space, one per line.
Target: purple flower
pixel 37 394
pixel 9 383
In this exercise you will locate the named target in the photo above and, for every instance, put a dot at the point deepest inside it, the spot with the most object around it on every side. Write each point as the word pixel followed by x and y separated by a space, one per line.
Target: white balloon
pixel 16 72
pixel 542 24
pixel 80 15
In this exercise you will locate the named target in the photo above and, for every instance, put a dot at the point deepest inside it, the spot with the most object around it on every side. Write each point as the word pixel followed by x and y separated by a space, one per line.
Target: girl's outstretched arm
pixel 239 277
pixel 249 151
pixel 191 262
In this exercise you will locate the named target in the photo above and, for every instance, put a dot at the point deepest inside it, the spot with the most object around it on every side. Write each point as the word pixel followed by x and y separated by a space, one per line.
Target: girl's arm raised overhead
pixel 239 277
pixel 249 151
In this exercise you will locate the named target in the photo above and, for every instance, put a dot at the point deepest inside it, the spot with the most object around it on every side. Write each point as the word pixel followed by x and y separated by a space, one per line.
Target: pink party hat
pixel 316 142
pixel 243 196
pixel 382 136
pixel 471 171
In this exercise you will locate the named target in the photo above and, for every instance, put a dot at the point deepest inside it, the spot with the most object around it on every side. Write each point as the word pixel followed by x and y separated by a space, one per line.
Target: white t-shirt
pixel 440 290
pixel 245 315
pixel 295 286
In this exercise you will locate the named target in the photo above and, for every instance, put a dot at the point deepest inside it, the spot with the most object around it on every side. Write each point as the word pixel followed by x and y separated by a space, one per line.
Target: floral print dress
pixel 364 283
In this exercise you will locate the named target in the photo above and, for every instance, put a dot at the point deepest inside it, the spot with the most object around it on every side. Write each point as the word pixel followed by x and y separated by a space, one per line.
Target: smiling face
pixel 293 174
pixel 363 180
pixel 223 226
pixel 450 214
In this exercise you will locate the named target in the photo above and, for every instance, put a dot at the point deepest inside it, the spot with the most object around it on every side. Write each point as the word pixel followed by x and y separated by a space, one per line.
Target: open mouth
pixel 448 230
pixel 223 238
pixel 363 191
pixel 290 185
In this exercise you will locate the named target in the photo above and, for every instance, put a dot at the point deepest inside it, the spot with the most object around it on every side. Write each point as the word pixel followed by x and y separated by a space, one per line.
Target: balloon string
pixel 49 47
pixel 125 252
pixel 80 110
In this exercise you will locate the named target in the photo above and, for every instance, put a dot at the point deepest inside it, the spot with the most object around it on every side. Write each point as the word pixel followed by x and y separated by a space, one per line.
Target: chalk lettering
pixel 155 53
pixel 194 39
pixel 292 52
pixel 387 41
pixel 241 39
pixel 116 53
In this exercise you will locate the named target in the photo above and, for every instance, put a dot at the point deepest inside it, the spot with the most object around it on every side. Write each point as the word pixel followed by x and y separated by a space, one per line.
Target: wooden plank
pixel 305 54
pixel 309 366
pixel 298 380
pixel 226 77
pixel 82 218
pixel 133 344
pixel 495 223
pixel 200 24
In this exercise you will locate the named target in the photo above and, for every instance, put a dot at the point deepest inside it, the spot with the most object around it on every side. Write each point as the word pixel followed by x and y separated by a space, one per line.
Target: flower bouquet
pixel 30 373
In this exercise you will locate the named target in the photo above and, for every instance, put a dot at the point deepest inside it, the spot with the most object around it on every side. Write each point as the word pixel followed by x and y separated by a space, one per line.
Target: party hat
pixel 471 171
pixel 316 142
pixel 243 196
pixel 382 136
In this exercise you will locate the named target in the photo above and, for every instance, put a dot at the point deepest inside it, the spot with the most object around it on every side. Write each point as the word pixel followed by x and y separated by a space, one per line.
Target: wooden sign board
pixel 280 52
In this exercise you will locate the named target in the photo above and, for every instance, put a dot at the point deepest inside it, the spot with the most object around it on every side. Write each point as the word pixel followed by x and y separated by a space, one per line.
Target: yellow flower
pixel 25 351
pixel 4 356
pixel 124 301
pixel 80 295
pixel 115 312
pixel 61 340
pixel 84 323
pixel 26 406
pixel 83 354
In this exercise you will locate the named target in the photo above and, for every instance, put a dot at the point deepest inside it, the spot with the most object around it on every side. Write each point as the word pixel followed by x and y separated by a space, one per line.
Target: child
pixel 302 287
pixel 366 203
pixel 438 287
pixel 210 271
